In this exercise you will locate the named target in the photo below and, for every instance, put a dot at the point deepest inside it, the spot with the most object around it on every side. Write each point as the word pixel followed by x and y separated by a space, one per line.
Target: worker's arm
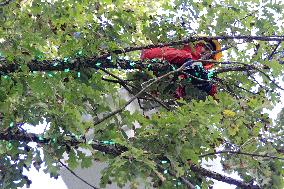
pixel 172 55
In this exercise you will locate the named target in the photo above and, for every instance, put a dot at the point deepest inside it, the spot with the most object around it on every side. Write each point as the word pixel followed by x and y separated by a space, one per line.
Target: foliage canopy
pixel 63 60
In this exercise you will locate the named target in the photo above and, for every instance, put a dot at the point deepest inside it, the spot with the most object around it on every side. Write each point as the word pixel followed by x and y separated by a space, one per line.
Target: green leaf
pixel 72 160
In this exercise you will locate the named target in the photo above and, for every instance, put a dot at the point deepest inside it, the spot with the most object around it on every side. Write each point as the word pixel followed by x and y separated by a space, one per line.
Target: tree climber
pixel 196 70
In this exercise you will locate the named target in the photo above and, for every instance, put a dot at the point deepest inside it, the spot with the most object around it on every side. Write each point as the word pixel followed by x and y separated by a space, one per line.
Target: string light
pixel 132 64
pixel 197 187
pixel 110 142
pixel 65 59
pixel 39 57
pixel 9 146
pixel 210 74
pixel 79 53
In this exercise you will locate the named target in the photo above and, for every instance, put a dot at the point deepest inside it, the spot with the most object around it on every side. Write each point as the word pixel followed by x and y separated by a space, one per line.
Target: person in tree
pixel 198 71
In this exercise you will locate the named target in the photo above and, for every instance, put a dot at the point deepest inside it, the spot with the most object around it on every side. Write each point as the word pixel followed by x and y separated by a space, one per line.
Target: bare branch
pixel 262 72
pixel 241 153
pixel 77 176
pixel 197 38
pixel 125 83
pixel 235 85
pixel 137 95
pixel 274 50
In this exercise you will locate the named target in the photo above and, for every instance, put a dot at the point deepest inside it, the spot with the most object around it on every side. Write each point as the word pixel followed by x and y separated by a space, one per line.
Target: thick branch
pixel 219 177
pixel 104 63
pixel 74 64
pixel 30 137
pixel 116 150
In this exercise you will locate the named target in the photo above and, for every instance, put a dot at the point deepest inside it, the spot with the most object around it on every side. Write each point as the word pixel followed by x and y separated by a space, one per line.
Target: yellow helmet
pixel 217 45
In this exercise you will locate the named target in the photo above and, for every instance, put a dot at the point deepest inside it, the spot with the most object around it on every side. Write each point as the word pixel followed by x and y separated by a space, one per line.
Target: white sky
pixel 41 180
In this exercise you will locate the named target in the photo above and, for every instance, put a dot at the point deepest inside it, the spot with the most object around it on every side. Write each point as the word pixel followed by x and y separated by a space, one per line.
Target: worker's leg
pixel 200 79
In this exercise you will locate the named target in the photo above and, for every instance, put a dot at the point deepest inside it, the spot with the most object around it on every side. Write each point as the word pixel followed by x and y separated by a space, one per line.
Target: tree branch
pixel 262 72
pixel 226 83
pixel 74 64
pixel 77 176
pixel 241 153
pixel 197 38
pixel 137 95
pixel 116 150
pixel 250 74
pixel 183 179
pixel 222 178
pixel 274 50
pixel 124 82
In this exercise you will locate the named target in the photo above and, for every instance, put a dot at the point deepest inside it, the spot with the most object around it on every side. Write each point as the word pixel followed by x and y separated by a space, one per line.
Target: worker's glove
pixel 188 63
pixel 196 64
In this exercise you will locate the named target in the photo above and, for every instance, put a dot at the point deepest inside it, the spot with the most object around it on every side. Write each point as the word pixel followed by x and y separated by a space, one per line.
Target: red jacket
pixel 176 56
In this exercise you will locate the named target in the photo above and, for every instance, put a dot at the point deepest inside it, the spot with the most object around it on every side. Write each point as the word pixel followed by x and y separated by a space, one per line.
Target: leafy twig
pixel 267 76
pixel 137 95
pixel 125 83
pixel 183 179
pixel 237 86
